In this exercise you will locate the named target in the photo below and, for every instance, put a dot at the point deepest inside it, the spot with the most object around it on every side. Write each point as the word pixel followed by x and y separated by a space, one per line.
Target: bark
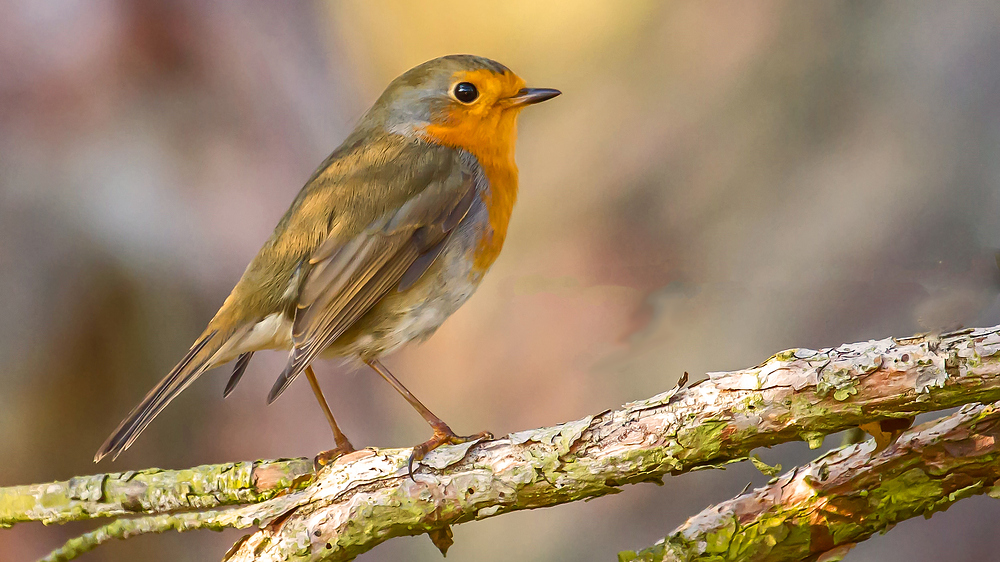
pixel 799 393
pixel 821 510
pixel 366 497
pixel 152 491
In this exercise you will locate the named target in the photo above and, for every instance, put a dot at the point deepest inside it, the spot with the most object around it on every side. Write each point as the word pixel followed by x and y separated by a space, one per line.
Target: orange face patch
pixel 486 128
pixel 487 124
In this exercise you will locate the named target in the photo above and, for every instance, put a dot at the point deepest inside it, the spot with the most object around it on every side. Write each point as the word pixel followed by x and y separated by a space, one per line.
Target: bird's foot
pixel 327 457
pixel 443 435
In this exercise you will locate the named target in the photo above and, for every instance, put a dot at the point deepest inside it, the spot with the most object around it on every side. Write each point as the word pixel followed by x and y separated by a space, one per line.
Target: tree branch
pixel 152 491
pixel 823 509
pixel 366 497
pixel 125 528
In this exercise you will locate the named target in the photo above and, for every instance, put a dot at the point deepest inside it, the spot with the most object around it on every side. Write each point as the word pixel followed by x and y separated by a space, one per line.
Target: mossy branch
pixel 152 491
pixel 821 510
pixel 125 528
pixel 366 497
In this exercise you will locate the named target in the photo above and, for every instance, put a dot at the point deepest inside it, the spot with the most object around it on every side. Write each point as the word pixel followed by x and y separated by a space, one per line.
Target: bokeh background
pixel 719 181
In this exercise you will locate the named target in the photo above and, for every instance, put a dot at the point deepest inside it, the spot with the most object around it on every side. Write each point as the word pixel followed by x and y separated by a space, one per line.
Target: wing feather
pixel 346 279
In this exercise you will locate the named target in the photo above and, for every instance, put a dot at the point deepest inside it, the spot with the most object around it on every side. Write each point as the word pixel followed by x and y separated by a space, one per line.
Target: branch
pixel 366 498
pixel 845 497
pixel 152 491
pixel 125 528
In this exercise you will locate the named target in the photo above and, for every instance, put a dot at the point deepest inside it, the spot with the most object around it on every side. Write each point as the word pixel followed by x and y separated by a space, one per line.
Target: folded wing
pixel 345 278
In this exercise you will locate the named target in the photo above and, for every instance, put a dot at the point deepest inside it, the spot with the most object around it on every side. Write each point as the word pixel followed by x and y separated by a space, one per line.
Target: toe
pixel 328 457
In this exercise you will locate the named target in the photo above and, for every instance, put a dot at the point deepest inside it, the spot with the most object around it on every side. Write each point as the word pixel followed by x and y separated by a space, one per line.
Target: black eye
pixel 466 92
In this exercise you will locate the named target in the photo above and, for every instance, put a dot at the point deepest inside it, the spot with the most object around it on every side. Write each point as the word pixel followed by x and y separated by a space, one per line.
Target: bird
pixel 391 234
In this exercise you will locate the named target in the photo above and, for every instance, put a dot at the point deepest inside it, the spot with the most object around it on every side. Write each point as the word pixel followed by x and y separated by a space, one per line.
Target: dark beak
pixel 528 96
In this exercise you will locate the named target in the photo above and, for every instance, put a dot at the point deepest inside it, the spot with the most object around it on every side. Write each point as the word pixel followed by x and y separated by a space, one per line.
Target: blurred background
pixel 718 182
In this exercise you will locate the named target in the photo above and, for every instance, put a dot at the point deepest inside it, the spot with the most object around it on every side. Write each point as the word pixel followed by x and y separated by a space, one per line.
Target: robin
pixel 390 235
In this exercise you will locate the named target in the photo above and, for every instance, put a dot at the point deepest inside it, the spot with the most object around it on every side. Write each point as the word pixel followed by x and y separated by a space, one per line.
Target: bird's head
pixel 462 101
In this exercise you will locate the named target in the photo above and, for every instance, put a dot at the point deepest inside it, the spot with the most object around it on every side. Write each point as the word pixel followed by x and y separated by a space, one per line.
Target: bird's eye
pixel 466 92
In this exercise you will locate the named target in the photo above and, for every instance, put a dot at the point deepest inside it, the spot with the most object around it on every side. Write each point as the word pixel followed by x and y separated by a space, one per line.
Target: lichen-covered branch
pixel 125 528
pixel 821 510
pixel 152 491
pixel 366 498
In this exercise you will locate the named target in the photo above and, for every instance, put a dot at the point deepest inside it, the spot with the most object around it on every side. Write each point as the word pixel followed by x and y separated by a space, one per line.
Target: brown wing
pixel 345 278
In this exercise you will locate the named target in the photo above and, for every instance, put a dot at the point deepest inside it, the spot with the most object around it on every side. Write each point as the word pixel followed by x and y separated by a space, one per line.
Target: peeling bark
pixel 366 497
pixel 821 510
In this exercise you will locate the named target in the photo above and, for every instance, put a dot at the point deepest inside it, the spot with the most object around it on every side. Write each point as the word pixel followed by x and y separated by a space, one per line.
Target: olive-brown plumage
pixel 390 235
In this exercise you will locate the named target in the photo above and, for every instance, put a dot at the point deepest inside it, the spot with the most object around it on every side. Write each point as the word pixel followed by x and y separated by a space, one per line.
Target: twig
pixel 126 528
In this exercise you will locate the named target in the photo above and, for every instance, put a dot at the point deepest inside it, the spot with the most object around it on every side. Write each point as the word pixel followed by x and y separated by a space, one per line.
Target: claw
pixel 327 458
pixel 443 435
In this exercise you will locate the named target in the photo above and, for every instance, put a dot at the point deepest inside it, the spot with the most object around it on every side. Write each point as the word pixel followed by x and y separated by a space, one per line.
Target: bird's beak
pixel 528 96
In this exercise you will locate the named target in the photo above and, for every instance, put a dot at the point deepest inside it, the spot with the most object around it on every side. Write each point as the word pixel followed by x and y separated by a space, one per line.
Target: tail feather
pixel 241 365
pixel 180 377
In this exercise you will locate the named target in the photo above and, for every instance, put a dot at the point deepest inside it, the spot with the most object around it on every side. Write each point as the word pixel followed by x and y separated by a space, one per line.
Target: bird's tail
pixel 196 362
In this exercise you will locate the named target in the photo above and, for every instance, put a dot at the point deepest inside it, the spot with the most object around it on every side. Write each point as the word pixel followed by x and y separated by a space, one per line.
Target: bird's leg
pixel 343 444
pixel 442 433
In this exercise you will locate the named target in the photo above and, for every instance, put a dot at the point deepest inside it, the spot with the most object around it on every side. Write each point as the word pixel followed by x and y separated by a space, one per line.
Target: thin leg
pixel 429 416
pixel 442 433
pixel 343 444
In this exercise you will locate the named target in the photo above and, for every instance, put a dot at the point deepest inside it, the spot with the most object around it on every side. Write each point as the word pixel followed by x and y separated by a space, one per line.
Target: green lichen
pixel 655 553
pixel 908 491
pixel 702 441
pixel 965 492
pixel 763 467
pixel 718 540
pixel 842 394
pixel 786 355
pixel 762 536
pixel 752 403
pixel 839 381
pixel 813 438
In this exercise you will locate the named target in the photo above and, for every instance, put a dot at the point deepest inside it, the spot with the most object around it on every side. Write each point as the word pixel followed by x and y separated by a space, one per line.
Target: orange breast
pixel 493 147
pixel 500 204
